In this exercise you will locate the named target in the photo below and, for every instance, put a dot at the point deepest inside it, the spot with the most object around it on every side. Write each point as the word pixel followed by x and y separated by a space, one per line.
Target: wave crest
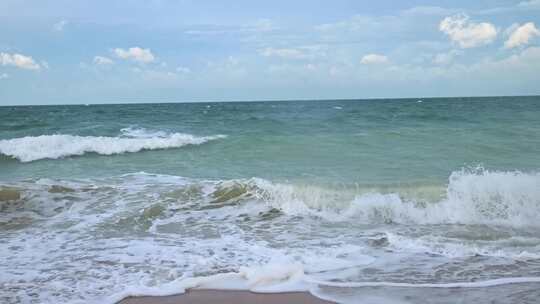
pixel 478 198
pixel 472 198
pixel 31 148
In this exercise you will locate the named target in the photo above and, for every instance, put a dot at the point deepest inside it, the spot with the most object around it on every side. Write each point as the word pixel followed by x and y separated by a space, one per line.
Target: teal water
pixel 366 142
pixel 360 201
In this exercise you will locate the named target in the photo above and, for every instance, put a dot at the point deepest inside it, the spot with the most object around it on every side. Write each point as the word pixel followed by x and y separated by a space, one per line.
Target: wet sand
pixel 229 297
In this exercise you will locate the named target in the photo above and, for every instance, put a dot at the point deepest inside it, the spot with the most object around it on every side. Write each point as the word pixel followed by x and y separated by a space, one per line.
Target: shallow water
pixel 323 196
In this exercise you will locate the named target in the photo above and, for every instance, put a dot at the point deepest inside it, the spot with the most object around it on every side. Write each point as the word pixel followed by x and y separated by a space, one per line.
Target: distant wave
pixel 31 148
pixel 142 133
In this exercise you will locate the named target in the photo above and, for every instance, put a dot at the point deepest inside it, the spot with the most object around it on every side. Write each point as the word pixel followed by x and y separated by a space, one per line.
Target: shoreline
pixel 227 297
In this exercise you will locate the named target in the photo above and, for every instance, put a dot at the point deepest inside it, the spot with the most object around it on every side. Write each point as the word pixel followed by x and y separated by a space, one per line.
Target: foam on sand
pixel 285 278
pixel 271 278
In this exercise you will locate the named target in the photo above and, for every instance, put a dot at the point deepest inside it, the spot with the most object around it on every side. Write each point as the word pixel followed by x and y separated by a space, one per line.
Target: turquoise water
pixel 366 142
pixel 367 201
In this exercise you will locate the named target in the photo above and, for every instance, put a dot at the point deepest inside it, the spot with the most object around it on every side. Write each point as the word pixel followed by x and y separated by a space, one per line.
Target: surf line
pixel 486 283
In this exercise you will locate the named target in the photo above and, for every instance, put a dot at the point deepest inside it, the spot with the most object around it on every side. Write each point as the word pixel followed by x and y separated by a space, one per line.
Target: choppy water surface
pixel 354 201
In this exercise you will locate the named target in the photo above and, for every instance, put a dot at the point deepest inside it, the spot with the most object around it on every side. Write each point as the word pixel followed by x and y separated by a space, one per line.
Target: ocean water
pixel 367 201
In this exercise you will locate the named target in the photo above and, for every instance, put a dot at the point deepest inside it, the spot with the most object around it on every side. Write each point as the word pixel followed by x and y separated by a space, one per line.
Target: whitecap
pixel 31 148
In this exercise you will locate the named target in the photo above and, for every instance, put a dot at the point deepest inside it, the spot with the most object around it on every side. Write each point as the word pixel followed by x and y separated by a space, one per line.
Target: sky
pixel 112 51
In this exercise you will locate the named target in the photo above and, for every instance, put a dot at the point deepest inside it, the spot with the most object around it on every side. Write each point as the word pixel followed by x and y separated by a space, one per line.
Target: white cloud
pixel 531 4
pixel 159 76
pixel 288 53
pixel 155 75
pixel 311 67
pixel 100 60
pixel 521 35
pixel 356 24
pixel 427 10
pixel 226 70
pixel 18 60
pixel 374 59
pixel 183 70
pixel 525 64
pixel 136 54
pixel 233 61
pixel 264 25
pixel 259 26
pixel 59 26
pixel 446 58
pixel 467 34
pixel 304 52
pixel 4 76
pixel 523 6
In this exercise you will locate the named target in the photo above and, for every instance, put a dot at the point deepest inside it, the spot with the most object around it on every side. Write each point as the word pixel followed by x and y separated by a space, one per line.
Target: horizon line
pixel 268 100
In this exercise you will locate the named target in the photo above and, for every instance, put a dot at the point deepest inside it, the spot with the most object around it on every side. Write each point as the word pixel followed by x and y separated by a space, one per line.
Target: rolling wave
pixel 470 198
pixel 31 148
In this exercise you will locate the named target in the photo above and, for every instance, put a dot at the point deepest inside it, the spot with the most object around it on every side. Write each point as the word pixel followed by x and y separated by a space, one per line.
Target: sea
pixel 433 200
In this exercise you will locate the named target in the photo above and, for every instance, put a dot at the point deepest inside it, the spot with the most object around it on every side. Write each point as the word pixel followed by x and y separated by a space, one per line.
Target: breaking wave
pixel 470 198
pixel 473 198
pixel 31 148
pixel 477 198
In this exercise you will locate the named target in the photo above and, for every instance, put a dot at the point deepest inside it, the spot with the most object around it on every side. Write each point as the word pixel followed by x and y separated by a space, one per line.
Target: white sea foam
pixel 279 278
pixel 30 148
pixel 270 278
pixel 500 198
pixel 456 248
pixel 471 197
pixel 479 197
pixel 135 132
pixel 150 234
pixel 477 284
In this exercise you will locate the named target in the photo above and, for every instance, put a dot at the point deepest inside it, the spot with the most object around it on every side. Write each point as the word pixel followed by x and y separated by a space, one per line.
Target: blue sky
pixel 99 51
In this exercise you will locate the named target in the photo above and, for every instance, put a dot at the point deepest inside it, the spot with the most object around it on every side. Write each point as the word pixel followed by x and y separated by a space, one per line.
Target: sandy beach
pixel 228 297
